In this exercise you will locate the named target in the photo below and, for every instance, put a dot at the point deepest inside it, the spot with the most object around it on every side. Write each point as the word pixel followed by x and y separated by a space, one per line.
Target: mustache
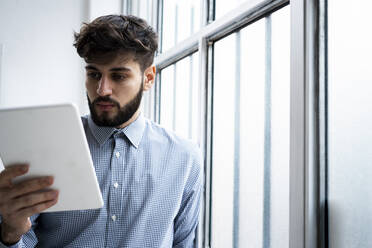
pixel 105 99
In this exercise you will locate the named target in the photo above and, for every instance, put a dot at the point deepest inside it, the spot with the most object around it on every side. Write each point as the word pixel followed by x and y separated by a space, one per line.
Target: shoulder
pixel 183 154
pixel 84 120
pixel 161 136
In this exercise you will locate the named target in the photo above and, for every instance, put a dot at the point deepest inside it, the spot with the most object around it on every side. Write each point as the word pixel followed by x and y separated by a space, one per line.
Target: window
pixel 238 86
pixel 180 20
pixel 246 80
pixel 179 97
pixel 250 163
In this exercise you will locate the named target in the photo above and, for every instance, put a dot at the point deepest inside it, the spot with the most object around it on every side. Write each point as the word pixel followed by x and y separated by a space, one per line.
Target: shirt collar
pixel 133 131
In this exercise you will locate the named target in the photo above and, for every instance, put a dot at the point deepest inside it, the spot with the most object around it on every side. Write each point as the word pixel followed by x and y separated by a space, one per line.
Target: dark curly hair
pixel 110 35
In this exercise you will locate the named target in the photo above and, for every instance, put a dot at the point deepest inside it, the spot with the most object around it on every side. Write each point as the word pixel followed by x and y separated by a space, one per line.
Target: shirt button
pixel 117 154
pixel 116 185
pixel 113 217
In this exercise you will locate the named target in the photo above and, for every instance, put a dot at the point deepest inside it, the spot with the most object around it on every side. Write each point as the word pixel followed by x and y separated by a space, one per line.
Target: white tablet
pixel 52 140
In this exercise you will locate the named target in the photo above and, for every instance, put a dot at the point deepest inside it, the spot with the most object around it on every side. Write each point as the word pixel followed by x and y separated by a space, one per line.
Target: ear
pixel 149 77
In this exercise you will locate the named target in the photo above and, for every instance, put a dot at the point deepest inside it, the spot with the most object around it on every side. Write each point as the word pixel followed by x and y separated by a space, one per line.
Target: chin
pixel 106 114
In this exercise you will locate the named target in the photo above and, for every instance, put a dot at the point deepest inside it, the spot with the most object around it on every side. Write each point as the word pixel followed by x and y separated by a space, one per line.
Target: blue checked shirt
pixel 151 183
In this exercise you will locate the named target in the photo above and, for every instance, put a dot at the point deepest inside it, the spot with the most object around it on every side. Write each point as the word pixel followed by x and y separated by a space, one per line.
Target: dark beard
pixel 124 114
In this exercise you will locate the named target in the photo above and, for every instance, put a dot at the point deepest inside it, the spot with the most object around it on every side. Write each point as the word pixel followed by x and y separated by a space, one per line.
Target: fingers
pixel 33 199
pixel 11 172
pixel 29 186
pixel 26 212
pixel 24 199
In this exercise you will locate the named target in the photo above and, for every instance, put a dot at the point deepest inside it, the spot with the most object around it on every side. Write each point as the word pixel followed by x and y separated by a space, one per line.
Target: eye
pixel 118 77
pixel 94 75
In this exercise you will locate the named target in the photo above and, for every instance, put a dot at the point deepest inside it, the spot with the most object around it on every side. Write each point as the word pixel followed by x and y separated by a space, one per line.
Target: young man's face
pixel 115 89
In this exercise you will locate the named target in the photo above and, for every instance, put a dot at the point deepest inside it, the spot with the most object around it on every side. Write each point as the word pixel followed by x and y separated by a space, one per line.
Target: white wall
pixel 107 7
pixel 39 63
pixel 350 122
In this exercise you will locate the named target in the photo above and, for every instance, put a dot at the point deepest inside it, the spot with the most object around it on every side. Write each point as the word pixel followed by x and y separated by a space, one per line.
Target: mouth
pixel 105 106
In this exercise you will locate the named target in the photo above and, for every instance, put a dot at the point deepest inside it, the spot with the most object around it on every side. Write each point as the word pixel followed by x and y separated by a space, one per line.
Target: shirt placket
pixel 115 190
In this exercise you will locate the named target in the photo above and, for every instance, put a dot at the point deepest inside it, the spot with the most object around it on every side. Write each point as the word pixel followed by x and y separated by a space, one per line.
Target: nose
pixel 104 87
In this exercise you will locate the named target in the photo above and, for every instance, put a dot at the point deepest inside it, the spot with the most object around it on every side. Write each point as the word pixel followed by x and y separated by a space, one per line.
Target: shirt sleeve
pixel 28 240
pixel 187 218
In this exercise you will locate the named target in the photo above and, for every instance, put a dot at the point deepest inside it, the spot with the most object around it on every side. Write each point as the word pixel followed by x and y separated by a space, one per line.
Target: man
pixel 151 180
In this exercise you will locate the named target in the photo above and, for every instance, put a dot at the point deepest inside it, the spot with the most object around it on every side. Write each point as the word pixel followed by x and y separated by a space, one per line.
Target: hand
pixel 20 201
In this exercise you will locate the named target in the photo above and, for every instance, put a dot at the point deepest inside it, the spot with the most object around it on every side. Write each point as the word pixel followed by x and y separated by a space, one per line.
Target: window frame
pixel 308 143
pixel 308 102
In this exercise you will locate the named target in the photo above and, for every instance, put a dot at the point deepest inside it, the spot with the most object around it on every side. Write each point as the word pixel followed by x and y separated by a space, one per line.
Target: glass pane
pixel 143 9
pixel 252 135
pixel 223 143
pixel 181 18
pixel 350 122
pixel 181 94
pixel 167 97
pixel 250 161
pixel 194 116
pixel 180 97
pixel 280 124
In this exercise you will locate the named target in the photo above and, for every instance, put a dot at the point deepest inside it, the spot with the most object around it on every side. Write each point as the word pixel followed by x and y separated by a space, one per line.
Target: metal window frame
pixel 307 108
pixel 203 42
pixel 234 20
pixel 322 230
pixel 236 195
pixel 126 7
pixel 266 227
pixel 308 142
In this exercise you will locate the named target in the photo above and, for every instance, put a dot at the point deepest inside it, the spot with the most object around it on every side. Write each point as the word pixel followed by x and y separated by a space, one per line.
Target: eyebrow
pixel 120 69
pixel 90 67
